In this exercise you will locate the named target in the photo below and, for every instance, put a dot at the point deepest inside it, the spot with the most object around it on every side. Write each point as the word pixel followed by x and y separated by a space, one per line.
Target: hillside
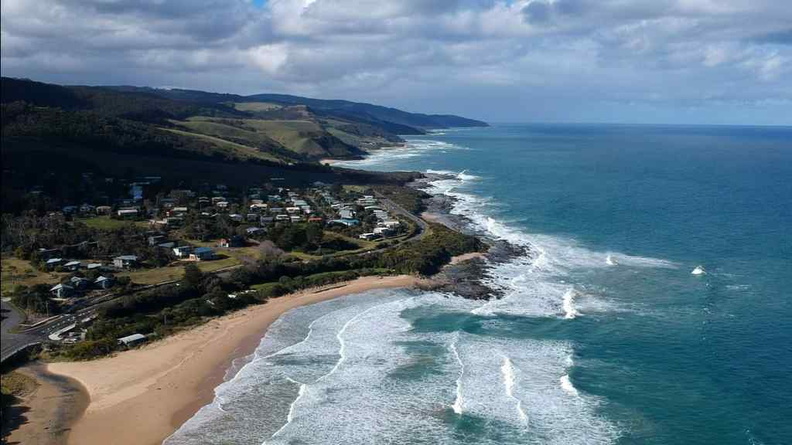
pixel 263 127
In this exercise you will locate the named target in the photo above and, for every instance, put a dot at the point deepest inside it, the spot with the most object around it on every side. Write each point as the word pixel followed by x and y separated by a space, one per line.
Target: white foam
pixel 457 406
pixel 610 261
pixel 567 386
pixel 569 304
pixel 509 382
pixel 699 270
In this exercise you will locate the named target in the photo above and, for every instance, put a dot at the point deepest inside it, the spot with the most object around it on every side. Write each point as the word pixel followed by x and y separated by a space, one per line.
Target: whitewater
pixel 585 345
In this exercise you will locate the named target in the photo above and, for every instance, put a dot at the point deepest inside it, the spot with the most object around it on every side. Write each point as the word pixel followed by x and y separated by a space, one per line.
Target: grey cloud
pixel 488 58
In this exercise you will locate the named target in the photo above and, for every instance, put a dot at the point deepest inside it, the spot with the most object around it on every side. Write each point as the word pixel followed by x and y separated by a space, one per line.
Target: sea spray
pixel 457 406
pixel 509 382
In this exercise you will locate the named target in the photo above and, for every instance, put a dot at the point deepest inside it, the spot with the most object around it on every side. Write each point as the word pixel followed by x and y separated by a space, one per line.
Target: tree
pixel 193 276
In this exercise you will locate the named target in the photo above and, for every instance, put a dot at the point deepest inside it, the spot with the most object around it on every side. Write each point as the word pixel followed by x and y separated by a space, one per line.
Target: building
pixel 128 213
pixel 156 239
pixel 368 236
pixel 131 340
pixel 254 230
pixel 72 265
pixel 234 241
pixel 79 282
pixel 202 254
pixel 53 263
pixel 346 222
pixel 125 261
pixel 391 223
pixel 62 291
pixel 384 231
pixel 182 251
pixel 104 282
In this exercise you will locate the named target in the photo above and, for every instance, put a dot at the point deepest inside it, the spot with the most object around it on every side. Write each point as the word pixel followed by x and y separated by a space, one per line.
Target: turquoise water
pixel 603 335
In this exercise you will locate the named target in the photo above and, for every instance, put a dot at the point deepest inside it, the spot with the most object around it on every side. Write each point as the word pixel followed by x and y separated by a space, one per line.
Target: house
pixel 80 282
pixel 391 223
pixel 254 230
pixel 202 254
pixel 128 213
pixel 236 217
pixel 131 340
pixel 87 208
pixel 70 209
pixel 169 245
pixel 125 261
pixel 282 218
pixel 222 204
pixel 62 291
pixel 72 265
pixel 346 222
pixel 315 219
pixel 384 231
pixel 257 207
pixel 182 251
pixel 156 239
pixel 252 217
pixel 53 263
pixel 103 210
pixel 295 218
pixel 266 220
pixel 104 282
pixel 368 236
pixel 292 210
pixel 94 266
pixel 234 241
pixel 346 214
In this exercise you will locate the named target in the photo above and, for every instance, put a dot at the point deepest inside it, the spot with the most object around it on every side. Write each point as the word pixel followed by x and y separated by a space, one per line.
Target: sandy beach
pixel 143 395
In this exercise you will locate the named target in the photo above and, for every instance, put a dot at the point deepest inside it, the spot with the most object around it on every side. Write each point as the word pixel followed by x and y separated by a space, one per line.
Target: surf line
pixel 509 381
pixel 303 386
pixel 457 406
pixel 290 415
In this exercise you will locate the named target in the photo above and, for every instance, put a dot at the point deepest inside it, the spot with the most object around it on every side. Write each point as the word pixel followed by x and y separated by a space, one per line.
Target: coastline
pixel 163 384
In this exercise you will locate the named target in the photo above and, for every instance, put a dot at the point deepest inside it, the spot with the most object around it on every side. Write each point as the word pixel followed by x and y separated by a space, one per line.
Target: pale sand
pixel 143 395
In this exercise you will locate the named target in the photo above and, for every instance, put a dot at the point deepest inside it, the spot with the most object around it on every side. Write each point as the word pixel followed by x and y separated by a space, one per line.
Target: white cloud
pixel 427 55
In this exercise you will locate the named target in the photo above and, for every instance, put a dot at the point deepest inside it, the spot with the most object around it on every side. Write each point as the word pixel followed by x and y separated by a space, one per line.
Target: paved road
pixel 10 342
pixel 423 227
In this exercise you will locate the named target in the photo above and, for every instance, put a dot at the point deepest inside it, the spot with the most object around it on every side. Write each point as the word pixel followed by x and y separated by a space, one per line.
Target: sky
pixel 652 61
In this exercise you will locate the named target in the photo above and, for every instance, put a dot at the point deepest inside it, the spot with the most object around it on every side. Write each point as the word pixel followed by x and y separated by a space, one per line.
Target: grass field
pixel 16 271
pixel 107 223
pixel 256 106
pixel 231 149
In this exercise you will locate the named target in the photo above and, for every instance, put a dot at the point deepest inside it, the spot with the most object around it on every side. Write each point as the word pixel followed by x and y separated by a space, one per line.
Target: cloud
pixel 493 59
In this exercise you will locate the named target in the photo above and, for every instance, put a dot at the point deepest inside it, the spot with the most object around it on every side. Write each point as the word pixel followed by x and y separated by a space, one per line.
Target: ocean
pixel 603 334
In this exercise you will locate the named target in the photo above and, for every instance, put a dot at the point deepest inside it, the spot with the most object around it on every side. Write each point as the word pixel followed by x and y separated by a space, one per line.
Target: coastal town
pixel 180 228
pixel 217 229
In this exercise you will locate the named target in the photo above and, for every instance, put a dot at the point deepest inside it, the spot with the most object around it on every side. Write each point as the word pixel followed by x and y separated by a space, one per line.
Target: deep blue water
pixel 603 336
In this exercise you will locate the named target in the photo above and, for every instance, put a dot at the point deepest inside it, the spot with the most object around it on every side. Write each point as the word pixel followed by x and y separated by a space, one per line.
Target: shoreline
pixel 163 384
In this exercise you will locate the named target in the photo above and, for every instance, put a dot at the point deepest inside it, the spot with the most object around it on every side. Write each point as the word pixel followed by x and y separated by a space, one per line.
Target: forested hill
pixel 276 128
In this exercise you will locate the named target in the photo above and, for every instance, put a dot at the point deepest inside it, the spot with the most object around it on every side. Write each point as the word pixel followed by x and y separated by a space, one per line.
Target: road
pixel 11 342
pixel 423 226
